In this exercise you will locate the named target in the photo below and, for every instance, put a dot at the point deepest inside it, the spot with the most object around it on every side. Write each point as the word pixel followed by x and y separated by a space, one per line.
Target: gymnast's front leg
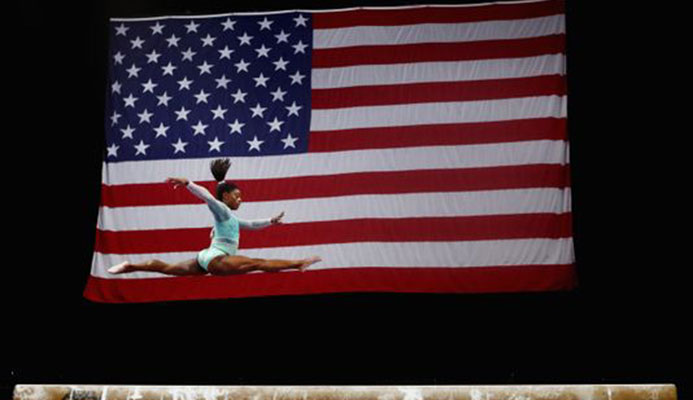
pixel 236 264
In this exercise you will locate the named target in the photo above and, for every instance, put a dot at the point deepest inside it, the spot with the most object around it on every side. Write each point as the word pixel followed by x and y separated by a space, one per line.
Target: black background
pixel 626 322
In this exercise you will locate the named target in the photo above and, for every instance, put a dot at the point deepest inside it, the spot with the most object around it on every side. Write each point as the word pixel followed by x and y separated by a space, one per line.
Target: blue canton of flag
pixel 206 87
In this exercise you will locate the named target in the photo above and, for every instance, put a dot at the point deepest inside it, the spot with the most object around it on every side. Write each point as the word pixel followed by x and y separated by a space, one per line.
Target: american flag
pixel 415 149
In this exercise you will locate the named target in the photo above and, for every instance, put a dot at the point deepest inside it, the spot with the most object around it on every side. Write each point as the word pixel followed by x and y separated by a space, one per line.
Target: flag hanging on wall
pixel 415 149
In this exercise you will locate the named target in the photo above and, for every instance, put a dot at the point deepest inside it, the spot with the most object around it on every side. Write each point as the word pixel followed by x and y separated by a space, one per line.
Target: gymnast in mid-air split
pixel 220 258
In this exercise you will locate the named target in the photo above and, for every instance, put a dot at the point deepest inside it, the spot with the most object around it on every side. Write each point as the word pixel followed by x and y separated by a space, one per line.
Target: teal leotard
pixel 225 235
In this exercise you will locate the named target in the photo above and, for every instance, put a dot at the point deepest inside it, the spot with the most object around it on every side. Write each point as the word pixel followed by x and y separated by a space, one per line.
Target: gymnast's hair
pixel 219 169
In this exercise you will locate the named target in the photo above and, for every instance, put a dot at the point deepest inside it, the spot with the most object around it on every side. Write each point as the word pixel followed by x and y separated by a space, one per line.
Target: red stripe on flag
pixel 524 278
pixel 440 15
pixel 437 135
pixel 495 227
pixel 389 182
pixel 430 52
pixel 437 92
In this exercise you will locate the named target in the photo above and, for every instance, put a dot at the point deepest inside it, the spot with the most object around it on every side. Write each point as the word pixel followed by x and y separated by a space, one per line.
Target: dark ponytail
pixel 219 169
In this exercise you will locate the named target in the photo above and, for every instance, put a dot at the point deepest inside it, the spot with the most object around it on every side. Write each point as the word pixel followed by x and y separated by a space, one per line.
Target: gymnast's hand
pixel 177 182
pixel 277 219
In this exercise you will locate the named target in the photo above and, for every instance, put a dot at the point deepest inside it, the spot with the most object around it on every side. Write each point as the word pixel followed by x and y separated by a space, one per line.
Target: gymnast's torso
pixel 225 235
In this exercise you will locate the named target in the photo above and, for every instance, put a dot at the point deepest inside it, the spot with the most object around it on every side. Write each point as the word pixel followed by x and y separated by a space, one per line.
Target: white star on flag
pixel 242 66
pixel 245 39
pixel 282 37
pixel 275 125
pixel 261 80
pixel 297 78
pixel 114 118
pixel 225 53
pixel 263 51
pixel 121 30
pixel 228 24
pixel 188 54
pixel 205 68
pixel 300 47
pixel 179 146
pixel 289 141
pixel 168 69
pixel 182 114
pixel 208 41
pixel 118 58
pixel 236 127
pixel 215 145
pixel 219 112
pixel 258 111
pixel 133 71
pixel 202 97
pixel 153 57
pixel 192 26
pixel 113 150
pixel 130 101
pixel 149 86
pixel 164 99
pixel 127 132
pixel 158 28
pixel 161 130
pixel 173 41
pixel 137 43
pixel 185 83
pixel 255 143
pixel 265 24
pixel 300 21
pixel 293 109
pixel 280 64
pixel 199 128
pixel 278 94
pixel 145 116
pixel 239 96
pixel 141 148
pixel 222 82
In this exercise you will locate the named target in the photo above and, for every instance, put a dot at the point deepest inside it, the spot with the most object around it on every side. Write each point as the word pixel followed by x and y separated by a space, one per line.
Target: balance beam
pixel 493 392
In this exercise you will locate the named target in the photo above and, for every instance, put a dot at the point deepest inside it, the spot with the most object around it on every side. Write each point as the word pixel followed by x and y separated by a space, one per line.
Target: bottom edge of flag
pixel 534 278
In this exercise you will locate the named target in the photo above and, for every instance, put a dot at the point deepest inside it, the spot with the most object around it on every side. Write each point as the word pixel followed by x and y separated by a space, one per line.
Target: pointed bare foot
pixel 308 262
pixel 120 268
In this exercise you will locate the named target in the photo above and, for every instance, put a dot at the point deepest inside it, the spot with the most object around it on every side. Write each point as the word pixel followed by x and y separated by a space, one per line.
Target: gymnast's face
pixel 233 199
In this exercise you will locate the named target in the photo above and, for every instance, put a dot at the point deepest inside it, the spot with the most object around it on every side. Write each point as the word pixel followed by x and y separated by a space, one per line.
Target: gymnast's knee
pixel 156 263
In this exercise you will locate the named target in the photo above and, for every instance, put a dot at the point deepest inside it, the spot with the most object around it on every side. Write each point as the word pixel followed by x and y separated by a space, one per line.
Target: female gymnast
pixel 220 258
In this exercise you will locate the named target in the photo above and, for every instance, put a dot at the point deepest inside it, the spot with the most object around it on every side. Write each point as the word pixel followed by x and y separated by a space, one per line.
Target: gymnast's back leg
pixel 183 268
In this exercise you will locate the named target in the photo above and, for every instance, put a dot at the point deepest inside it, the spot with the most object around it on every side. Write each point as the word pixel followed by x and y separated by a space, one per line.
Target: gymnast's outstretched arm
pixel 260 223
pixel 218 209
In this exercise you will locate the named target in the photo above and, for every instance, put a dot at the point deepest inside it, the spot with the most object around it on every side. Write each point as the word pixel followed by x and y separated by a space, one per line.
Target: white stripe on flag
pixel 438 33
pixel 313 164
pixel 437 113
pixel 494 202
pixel 372 254
pixel 367 75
